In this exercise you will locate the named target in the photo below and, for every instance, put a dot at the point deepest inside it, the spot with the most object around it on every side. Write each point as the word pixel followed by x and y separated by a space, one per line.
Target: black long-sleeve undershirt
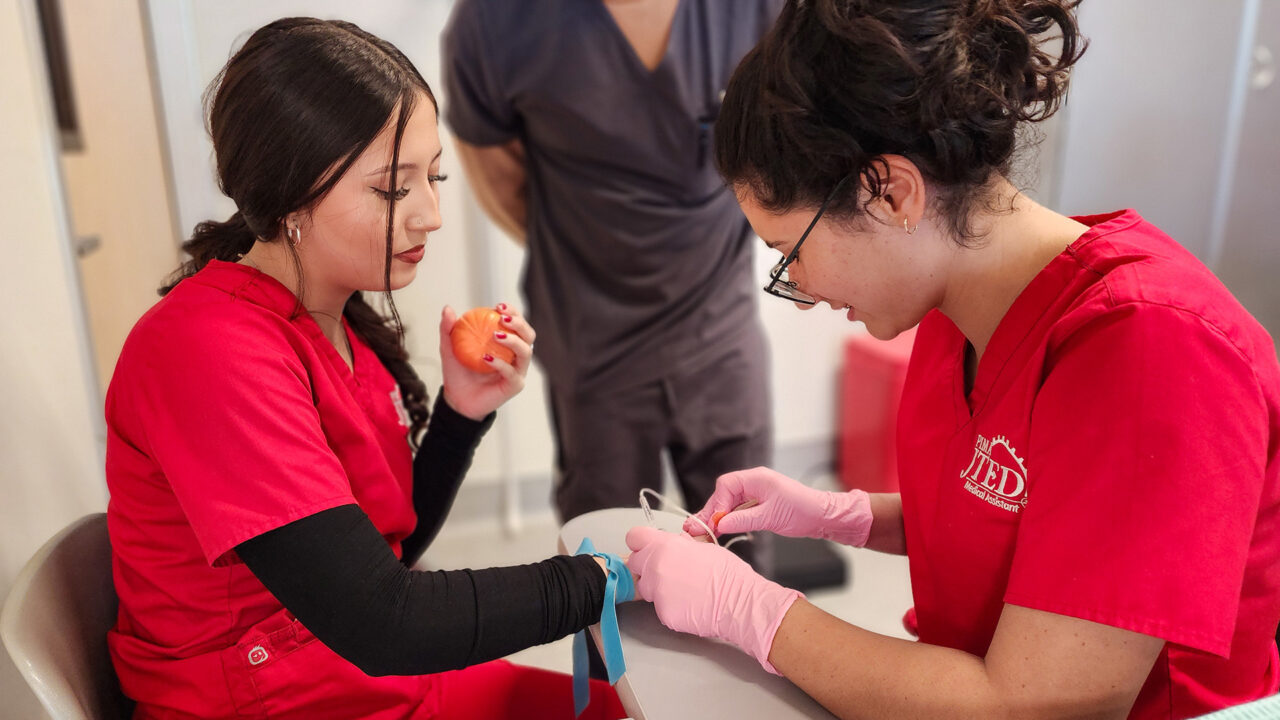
pixel 335 572
pixel 442 461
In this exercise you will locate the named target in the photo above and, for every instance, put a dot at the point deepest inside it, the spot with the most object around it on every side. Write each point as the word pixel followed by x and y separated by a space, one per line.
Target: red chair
pixel 870 391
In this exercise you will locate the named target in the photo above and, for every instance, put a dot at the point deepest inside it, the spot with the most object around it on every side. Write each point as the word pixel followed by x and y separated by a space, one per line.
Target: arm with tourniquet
pixel 335 572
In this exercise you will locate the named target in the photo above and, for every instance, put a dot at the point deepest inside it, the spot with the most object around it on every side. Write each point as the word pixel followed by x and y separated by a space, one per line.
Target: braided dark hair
pixel 300 97
pixel 946 83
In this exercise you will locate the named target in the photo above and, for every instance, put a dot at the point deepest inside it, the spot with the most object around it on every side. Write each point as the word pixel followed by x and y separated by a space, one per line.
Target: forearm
pixel 856 673
pixel 508 209
pixel 500 182
pixel 1042 666
pixel 888 534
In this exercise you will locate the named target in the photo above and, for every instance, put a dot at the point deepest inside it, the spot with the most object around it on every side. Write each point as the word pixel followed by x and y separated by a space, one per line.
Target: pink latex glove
pixel 706 590
pixel 786 507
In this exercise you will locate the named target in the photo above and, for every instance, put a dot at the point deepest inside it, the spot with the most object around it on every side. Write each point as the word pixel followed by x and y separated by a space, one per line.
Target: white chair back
pixel 55 623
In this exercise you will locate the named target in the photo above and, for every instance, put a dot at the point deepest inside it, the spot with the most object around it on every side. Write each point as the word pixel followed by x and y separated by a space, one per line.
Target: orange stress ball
pixel 472 338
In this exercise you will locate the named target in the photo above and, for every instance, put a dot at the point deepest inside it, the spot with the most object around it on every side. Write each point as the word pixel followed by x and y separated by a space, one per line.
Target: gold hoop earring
pixel 911 229
pixel 295 236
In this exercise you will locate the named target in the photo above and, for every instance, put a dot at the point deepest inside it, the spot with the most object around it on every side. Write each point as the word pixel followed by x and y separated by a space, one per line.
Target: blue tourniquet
pixel 620 587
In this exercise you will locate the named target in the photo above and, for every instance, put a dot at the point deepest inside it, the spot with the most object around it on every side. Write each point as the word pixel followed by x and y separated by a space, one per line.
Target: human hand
pixel 707 591
pixel 784 506
pixel 475 394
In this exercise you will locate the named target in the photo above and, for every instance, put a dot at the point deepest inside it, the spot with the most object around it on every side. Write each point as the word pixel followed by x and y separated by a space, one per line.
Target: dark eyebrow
pixel 404 166
pixel 401 167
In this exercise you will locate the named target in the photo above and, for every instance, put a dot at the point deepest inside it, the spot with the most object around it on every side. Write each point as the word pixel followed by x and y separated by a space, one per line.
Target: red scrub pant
pixel 499 690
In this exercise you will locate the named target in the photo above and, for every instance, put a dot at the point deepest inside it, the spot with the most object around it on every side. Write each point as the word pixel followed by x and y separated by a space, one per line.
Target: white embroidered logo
pixel 996 474
pixel 258 655
pixel 398 403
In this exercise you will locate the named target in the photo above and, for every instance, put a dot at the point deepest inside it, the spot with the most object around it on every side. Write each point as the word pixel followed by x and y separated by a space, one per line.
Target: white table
pixel 673 675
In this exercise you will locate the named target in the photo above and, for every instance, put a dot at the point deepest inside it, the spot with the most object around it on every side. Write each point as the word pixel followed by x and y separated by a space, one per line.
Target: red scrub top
pixel 1116 461
pixel 229 416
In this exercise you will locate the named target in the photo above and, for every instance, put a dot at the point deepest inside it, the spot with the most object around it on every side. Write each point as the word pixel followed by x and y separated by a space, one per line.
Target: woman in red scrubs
pixel 1089 432
pixel 274 468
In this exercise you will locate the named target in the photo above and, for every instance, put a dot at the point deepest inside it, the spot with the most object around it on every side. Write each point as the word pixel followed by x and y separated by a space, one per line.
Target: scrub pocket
pixel 279 669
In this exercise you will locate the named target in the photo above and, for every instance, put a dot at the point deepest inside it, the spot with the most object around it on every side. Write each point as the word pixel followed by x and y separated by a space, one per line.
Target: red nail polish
pixel 488 358
pixel 506 318
pixel 500 335
pixel 502 306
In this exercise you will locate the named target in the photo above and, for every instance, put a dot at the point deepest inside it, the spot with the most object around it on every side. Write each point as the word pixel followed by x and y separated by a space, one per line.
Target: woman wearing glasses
pixel 1088 436
pixel 267 504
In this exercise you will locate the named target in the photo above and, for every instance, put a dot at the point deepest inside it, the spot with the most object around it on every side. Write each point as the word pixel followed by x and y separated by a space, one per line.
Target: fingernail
pixel 502 306
pixel 506 318
pixel 500 335
pixel 488 358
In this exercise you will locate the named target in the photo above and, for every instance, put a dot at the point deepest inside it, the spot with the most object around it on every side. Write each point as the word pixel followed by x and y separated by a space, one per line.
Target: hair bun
pixel 1023 67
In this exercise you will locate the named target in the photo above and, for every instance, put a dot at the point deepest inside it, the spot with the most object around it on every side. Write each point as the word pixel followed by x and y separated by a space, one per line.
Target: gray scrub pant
pixel 712 419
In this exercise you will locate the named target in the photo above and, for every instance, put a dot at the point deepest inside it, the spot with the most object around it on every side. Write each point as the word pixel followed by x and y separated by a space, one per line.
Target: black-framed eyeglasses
pixel 779 284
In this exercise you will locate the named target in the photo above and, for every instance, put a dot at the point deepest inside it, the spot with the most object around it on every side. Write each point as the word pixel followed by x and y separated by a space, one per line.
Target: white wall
pixel 1147 118
pixel 50 471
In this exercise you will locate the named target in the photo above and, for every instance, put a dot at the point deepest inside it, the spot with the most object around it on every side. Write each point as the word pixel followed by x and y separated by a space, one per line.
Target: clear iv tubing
pixel 670 506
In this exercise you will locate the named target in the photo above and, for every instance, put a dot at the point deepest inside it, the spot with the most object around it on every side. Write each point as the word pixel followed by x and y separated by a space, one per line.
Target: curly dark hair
pixel 300 97
pixel 945 83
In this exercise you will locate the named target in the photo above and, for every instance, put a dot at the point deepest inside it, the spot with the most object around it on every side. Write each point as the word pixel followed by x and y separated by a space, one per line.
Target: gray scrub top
pixel 639 260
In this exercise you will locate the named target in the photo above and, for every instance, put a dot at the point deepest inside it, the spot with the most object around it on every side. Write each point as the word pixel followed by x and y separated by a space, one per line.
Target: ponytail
pixel 212 240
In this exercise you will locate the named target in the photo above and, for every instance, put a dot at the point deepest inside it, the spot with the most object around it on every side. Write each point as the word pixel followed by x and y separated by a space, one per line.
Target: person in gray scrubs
pixel 585 129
